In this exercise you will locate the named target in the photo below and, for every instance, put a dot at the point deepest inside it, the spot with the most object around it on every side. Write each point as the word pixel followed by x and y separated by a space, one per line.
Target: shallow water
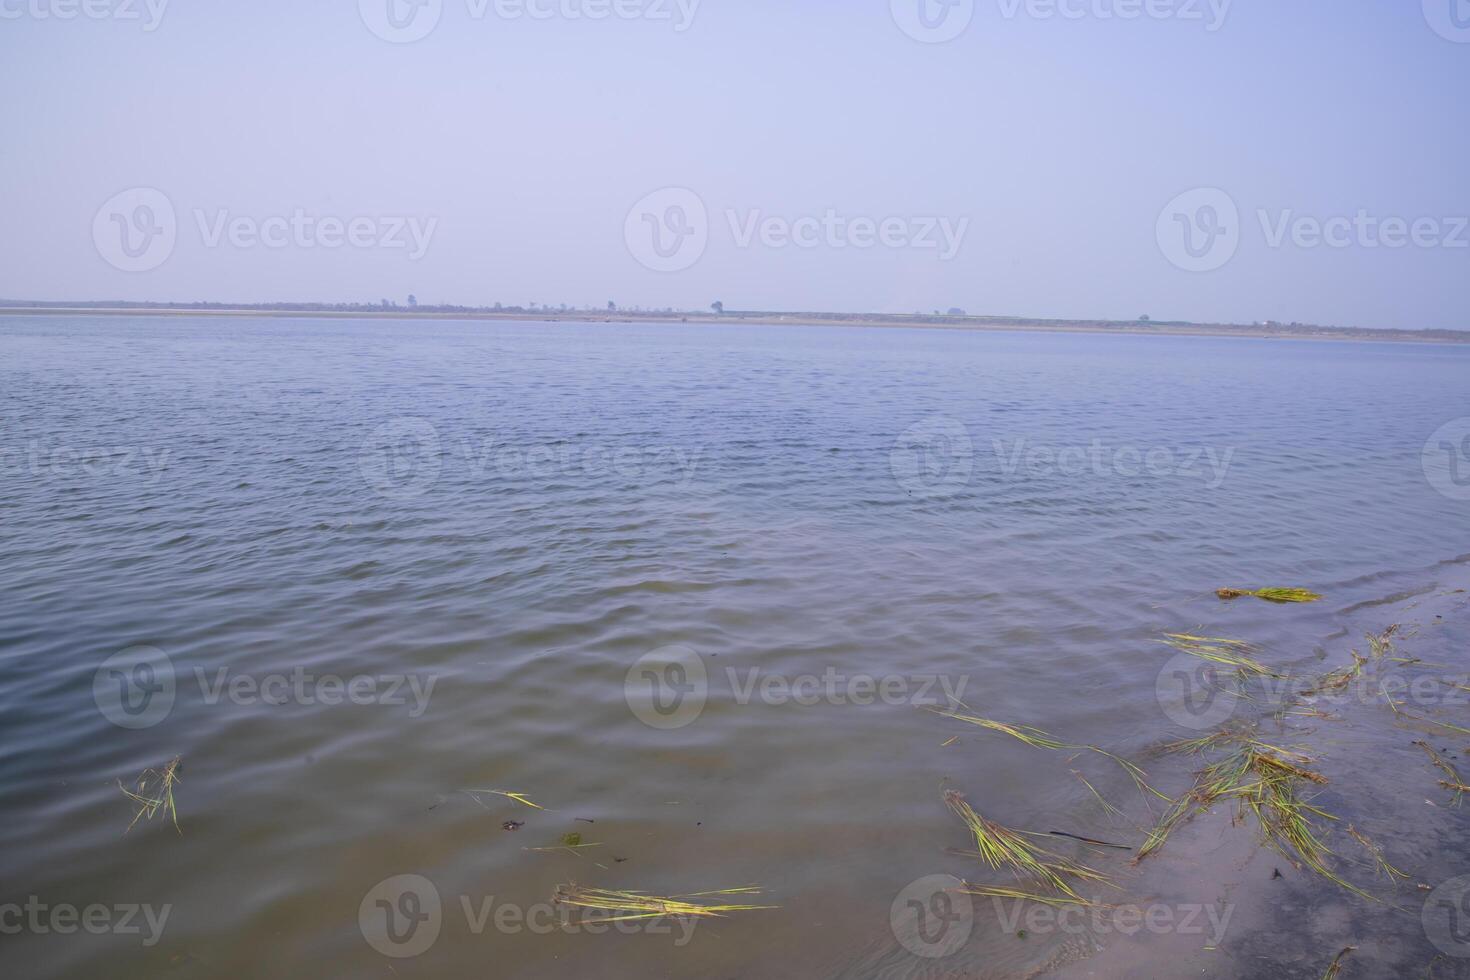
pixel 492 525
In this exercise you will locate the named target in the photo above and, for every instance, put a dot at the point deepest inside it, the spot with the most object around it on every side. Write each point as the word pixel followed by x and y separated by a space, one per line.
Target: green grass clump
pixel 1265 781
pixel 1271 595
pixel 1231 653
pixel 154 793
pixel 1005 849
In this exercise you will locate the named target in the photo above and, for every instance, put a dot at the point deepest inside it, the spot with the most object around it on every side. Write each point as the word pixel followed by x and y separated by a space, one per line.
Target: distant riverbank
pixel 1267 331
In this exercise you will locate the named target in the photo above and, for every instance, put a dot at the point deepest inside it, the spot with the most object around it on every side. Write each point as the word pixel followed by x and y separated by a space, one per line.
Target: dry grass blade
pixel 1231 653
pixel 1336 967
pixel 1381 644
pixel 1000 891
pixel 154 793
pixel 518 797
pixel 1005 849
pixel 1377 854
pixel 1036 738
pixel 639 905
pixel 1340 678
pixel 1454 782
pixel 1107 807
pixel 1264 780
pixel 1270 595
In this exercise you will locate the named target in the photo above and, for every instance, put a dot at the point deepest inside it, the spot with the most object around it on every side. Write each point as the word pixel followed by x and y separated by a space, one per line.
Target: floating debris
pixel 154 793
pixel 1034 737
pixel 1337 679
pixel 1377 854
pixel 1089 840
pixel 1264 780
pixel 1231 653
pixel 1107 807
pixel 518 797
pixel 1003 848
pixel 1336 968
pixel 1270 595
pixel 571 843
pixel 1000 891
pixel 1455 783
pixel 1381 644
pixel 638 905
pixel 1037 738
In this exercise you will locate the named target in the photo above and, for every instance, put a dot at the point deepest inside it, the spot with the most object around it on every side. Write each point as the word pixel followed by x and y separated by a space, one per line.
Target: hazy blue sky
pixel 517 146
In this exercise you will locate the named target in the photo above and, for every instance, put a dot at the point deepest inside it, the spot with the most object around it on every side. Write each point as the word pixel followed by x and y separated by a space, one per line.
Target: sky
pixel 1202 160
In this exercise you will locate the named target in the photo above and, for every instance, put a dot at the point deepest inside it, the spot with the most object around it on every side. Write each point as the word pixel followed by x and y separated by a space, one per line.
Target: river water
pixel 689 590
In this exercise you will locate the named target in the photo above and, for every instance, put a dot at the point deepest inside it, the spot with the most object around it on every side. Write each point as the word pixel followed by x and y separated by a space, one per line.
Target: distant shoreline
pixel 910 321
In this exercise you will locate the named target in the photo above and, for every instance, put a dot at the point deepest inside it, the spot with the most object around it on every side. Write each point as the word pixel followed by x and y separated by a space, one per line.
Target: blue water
pixel 511 514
